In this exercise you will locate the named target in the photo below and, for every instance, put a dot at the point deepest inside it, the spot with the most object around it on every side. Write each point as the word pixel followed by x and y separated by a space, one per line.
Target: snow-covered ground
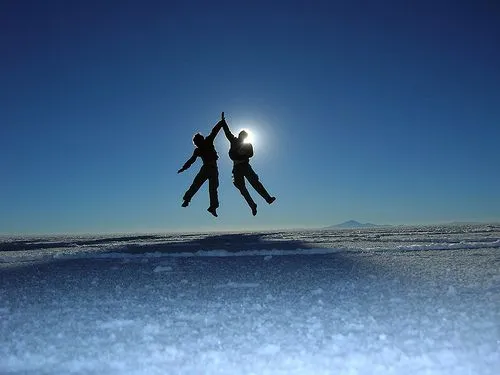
pixel 422 300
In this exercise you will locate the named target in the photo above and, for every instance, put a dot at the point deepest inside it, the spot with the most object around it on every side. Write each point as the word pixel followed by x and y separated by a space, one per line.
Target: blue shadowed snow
pixel 373 301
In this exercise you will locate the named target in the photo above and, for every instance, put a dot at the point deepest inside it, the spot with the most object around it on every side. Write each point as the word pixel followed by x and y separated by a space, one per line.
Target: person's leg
pixel 213 184
pixel 253 178
pixel 199 179
pixel 239 182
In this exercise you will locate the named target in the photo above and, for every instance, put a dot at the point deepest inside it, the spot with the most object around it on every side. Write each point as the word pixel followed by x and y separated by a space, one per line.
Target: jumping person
pixel 205 149
pixel 240 153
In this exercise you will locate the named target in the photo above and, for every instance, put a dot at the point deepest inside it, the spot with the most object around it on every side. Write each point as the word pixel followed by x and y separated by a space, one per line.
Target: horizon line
pixel 227 230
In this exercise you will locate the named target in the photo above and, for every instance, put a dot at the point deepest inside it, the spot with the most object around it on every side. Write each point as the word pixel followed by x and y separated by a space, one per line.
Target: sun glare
pixel 251 136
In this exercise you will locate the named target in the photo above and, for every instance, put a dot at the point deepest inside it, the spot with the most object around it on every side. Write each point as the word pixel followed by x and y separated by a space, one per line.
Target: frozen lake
pixel 399 300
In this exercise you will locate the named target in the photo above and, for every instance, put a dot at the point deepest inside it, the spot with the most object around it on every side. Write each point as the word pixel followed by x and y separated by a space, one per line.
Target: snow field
pixel 267 312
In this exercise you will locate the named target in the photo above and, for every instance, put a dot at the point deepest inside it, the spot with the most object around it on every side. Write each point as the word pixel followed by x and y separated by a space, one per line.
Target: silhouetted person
pixel 240 153
pixel 205 149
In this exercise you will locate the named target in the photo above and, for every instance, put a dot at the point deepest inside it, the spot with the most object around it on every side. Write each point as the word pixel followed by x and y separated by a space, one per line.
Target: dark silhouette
pixel 240 153
pixel 205 149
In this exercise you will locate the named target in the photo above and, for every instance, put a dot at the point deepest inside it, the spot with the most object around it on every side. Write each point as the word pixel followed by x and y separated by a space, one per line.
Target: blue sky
pixel 385 112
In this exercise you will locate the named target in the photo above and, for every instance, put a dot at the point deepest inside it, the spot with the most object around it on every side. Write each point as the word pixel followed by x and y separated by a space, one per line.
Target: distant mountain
pixel 464 223
pixel 352 224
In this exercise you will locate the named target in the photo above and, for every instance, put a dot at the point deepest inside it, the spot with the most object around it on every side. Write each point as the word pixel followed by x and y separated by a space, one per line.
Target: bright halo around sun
pixel 251 136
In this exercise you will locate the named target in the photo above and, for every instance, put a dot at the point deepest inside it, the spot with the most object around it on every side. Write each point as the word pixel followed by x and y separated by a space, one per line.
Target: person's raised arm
pixel 190 161
pixel 216 129
pixel 230 137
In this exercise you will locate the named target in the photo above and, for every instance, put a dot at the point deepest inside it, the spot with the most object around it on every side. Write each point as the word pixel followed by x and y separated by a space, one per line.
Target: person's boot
pixel 254 209
pixel 271 200
pixel 212 210
pixel 185 203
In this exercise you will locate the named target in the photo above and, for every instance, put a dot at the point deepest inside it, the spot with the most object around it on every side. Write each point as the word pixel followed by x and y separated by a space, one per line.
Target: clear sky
pixel 379 111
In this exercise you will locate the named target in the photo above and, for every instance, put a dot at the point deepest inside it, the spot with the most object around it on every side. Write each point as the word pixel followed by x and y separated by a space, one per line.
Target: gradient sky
pixel 379 111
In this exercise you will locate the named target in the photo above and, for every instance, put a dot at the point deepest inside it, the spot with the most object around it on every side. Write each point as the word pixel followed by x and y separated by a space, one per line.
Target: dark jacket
pixel 239 151
pixel 206 151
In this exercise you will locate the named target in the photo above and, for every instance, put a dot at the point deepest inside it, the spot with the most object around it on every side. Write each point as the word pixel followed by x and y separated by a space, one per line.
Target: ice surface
pixel 372 301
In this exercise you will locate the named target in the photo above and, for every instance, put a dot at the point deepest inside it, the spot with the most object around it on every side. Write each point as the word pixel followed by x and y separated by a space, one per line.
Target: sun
pixel 251 136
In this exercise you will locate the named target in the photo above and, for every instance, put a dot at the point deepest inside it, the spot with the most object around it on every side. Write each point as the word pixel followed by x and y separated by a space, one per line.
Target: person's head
pixel 198 139
pixel 243 135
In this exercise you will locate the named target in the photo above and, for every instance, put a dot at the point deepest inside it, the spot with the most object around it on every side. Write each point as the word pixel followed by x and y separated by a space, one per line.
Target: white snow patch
pixel 317 292
pixel 116 324
pixel 163 269
pixel 232 284
pixel 269 349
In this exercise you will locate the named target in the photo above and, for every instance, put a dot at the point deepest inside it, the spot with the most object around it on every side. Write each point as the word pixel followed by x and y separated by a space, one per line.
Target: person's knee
pixel 239 184
pixel 252 177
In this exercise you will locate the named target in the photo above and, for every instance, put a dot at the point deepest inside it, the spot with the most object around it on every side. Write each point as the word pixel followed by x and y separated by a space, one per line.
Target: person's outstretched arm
pixel 230 137
pixel 190 162
pixel 214 132
pixel 216 129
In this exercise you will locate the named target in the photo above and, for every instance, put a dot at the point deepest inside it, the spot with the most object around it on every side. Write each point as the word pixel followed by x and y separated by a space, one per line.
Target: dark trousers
pixel 242 171
pixel 210 173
